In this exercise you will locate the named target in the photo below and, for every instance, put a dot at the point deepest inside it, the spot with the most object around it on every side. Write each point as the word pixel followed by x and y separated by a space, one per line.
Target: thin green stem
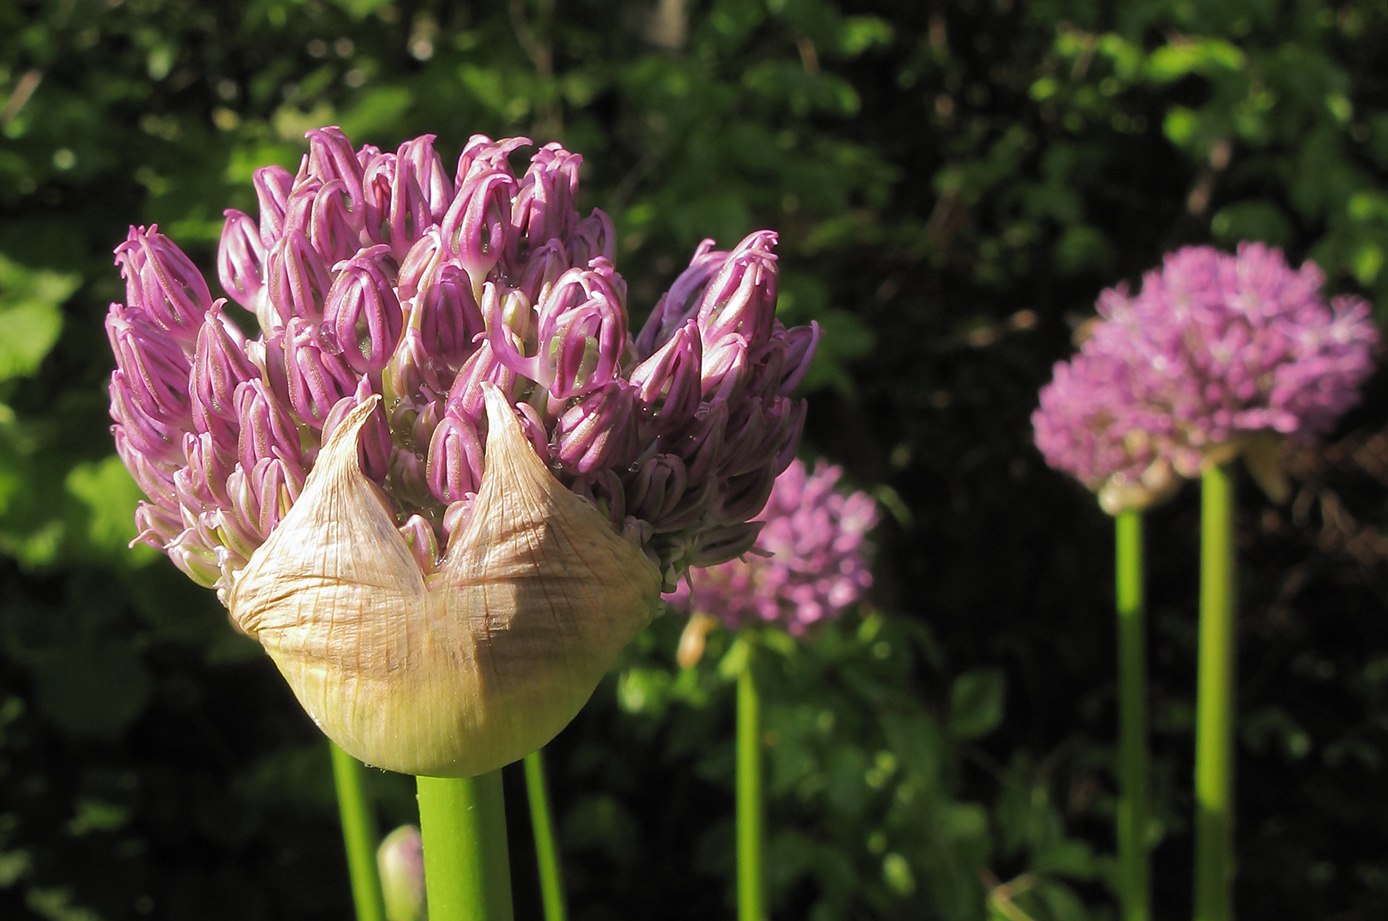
pixel 1214 705
pixel 358 834
pixel 467 872
pixel 751 814
pixel 546 852
pixel 1134 873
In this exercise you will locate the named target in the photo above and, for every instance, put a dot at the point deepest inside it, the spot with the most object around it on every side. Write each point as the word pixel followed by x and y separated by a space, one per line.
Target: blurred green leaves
pixel 976 703
pixel 867 772
pixel 31 315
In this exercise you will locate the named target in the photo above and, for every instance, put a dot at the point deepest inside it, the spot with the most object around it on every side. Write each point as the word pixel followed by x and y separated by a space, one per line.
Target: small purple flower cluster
pixel 379 273
pixel 815 563
pixel 1213 351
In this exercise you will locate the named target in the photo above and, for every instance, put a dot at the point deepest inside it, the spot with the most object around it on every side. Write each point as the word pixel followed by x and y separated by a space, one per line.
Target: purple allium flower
pixel 815 563
pixel 378 274
pixel 1214 355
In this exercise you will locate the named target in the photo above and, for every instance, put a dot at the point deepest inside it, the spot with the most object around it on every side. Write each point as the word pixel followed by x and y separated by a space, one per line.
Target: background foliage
pixel 954 184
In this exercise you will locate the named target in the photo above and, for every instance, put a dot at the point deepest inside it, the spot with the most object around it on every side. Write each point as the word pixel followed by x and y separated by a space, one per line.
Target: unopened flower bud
pixel 219 366
pixel 598 430
pixel 154 365
pixel 297 281
pixel 162 283
pixel 668 386
pixel 400 860
pixel 265 427
pixel 318 376
pixel 543 208
pixel 333 229
pixel 331 157
pixel 447 315
pixel 483 155
pixel 477 228
pixel 426 167
pixel 370 483
pixel 455 459
pixel 593 238
pixel 273 185
pixel 241 259
pixel 741 299
pixel 363 312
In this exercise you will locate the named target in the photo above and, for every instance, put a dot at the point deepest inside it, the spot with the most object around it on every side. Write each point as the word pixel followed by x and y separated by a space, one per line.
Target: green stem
pixel 1214 704
pixel 467 872
pixel 358 834
pixel 546 853
pixel 1134 874
pixel 751 816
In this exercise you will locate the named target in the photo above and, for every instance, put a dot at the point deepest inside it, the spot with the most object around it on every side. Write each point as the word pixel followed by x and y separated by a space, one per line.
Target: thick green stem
pixel 546 853
pixel 1134 875
pixel 1214 705
pixel 467 872
pixel 358 834
pixel 751 815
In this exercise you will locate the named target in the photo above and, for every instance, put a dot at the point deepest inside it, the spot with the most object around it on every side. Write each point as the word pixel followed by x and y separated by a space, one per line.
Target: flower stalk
pixel 810 565
pixel 1215 701
pixel 1133 865
pixel 751 808
pixel 467 869
pixel 359 835
pixel 546 848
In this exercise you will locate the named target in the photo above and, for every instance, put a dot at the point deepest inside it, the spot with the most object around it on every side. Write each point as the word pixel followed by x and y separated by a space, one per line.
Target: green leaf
pixel 976 702
pixel 1366 261
pixel 857 34
pixel 1180 125
pixel 1174 61
pixel 1256 219
pixel 108 495
pixel 1082 248
pixel 29 315
pixel 896 873
pixel 376 111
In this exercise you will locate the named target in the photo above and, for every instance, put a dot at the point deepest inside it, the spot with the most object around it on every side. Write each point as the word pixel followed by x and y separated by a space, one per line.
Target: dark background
pixel 953 185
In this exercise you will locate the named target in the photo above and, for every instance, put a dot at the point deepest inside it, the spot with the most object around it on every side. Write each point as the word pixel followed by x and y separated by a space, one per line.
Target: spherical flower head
pixel 1215 354
pixel 810 563
pixel 443 476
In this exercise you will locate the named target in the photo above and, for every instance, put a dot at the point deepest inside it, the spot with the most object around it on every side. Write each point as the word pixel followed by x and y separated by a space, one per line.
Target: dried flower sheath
pixel 443 665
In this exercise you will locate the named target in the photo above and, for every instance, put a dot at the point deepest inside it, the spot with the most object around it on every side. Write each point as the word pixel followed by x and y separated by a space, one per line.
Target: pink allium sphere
pixel 1215 353
pixel 815 564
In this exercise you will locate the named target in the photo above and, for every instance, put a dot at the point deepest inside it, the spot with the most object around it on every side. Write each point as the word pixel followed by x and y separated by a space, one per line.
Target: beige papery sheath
pixel 457 672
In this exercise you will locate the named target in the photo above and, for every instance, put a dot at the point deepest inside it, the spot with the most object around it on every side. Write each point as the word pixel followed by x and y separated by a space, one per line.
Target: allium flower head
pixel 423 333
pixel 1215 354
pixel 811 561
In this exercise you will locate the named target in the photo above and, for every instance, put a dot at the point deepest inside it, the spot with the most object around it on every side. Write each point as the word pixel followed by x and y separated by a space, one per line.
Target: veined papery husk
pixel 458 672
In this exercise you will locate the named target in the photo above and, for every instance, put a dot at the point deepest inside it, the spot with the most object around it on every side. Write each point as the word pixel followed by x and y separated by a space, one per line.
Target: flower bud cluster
pixel 811 561
pixel 384 274
pixel 1214 353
